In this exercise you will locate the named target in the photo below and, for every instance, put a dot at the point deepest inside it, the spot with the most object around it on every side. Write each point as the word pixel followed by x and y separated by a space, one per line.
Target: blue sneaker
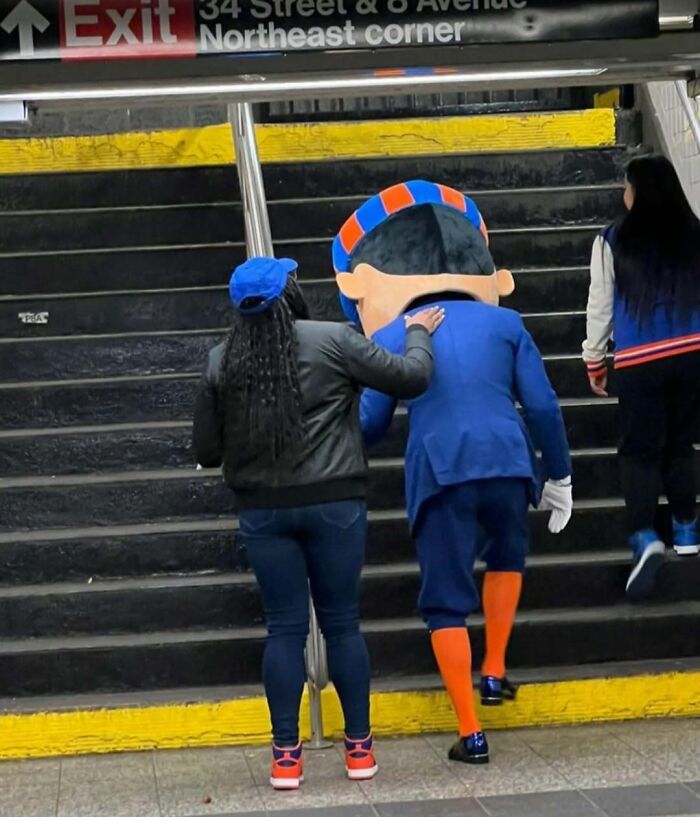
pixel 686 541
pixel 472 749
pixel 649 553
pixel 496 690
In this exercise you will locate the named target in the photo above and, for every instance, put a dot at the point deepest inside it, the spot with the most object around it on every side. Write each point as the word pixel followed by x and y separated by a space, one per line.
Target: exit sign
pixel 126 29
pixel 72 30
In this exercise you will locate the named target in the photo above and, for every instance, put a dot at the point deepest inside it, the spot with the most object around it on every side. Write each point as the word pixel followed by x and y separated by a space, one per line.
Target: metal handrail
pixel 257 223
pixel 259 242
pixel 691 114
pixel 317 674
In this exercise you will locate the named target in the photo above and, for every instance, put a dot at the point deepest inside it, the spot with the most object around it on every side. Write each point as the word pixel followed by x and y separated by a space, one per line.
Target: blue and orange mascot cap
pixel 380 209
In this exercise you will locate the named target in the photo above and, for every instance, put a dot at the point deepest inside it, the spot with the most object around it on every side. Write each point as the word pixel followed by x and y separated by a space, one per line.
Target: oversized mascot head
pixel 411 241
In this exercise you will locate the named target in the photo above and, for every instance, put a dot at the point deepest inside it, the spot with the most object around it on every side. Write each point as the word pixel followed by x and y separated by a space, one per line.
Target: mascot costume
pixel 471 467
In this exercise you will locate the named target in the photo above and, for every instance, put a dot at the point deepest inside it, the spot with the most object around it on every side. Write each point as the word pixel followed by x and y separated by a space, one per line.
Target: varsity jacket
pixel 663 334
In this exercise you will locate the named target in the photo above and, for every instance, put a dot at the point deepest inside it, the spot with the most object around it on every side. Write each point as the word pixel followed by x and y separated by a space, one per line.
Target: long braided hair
pixel 262 400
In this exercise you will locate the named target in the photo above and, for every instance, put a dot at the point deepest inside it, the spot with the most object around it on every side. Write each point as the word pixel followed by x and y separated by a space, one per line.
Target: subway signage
pixel 70 30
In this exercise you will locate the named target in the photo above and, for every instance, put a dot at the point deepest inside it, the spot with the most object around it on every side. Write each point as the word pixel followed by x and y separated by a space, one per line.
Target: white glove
pixel 557 497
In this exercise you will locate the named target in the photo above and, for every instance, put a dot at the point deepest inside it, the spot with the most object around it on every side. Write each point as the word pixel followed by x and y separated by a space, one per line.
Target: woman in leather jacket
pixel 278 408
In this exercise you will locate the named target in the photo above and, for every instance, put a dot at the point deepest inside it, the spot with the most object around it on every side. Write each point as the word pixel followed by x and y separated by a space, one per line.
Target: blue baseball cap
pixel 261 279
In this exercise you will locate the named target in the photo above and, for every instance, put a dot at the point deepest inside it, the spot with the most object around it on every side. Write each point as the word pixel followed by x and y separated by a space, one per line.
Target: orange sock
pixel 453 653
pixel 501 594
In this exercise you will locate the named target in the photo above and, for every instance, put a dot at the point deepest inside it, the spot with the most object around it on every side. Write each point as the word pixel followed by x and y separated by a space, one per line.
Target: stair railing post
pixel 317 674
pixel 257 222
pixel 259 242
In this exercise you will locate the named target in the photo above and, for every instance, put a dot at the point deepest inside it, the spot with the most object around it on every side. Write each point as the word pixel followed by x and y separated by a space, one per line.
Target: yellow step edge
pixel 245 721
pixel 199 147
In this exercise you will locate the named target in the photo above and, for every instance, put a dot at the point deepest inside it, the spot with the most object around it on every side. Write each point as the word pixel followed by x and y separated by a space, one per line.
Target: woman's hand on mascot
pixel 429 319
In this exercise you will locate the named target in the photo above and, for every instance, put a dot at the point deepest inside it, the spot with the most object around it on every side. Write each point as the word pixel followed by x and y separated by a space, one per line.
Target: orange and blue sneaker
pixel 360 761
pixel 287 768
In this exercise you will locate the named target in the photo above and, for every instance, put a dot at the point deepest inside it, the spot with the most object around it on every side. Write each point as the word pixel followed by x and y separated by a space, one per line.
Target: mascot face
pixel 413 240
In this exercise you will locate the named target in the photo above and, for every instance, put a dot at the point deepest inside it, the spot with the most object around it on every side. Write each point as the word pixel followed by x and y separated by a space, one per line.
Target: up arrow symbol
pixel 25 18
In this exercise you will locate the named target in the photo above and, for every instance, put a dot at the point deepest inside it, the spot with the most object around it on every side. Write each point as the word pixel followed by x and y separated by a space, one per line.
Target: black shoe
pixel 496 690
pixel 473 749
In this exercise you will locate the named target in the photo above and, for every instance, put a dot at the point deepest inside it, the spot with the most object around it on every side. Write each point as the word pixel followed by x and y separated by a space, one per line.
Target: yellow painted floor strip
pixel 246 721
pixel 120 151
pixel 311 142
pixel 414 137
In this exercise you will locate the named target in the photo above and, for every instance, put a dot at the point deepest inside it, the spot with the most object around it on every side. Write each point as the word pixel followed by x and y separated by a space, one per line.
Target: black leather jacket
pixel 335 362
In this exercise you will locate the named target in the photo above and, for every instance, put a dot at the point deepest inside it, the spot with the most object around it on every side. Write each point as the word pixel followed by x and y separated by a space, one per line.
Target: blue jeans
pixel 289 549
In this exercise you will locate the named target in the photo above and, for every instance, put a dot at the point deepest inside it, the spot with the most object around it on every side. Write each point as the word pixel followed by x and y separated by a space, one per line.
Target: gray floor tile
pixel 125 769
pixel 24 797
pixel 694 785
pixel 514 768
pixel 674 744
pixel 119 785
pixel 645 801
pixel 410 770
pixel 592 757
pixel 108 799
pixel 203 768
pixel 325 782
pixel 193 801
pixel 545 804
pixel 43 770
pixel 195 782
pixel 463 807
pixel 340 811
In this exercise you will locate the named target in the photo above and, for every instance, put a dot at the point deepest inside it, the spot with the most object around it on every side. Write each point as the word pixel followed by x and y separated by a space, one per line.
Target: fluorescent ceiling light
pixel 248 85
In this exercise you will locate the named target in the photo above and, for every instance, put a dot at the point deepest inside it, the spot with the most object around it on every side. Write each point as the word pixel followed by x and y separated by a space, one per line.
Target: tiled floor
pixel 649 769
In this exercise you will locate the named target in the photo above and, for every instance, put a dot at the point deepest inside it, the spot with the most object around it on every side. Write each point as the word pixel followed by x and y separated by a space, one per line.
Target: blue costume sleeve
pixel 376 408
pixel 541 410
pixel 376 413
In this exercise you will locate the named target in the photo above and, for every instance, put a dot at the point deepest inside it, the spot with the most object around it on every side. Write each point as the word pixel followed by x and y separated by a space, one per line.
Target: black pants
pixel 660 420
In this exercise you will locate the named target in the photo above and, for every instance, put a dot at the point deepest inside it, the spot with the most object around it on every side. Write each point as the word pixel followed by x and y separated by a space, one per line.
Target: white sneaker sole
pixel 282 784
pixel 687 550
pixel 643 576
pixel 362 774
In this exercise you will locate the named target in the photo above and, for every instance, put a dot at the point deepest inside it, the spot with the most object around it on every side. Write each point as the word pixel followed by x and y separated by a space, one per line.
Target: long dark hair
pixel 262 400
pixel 657 248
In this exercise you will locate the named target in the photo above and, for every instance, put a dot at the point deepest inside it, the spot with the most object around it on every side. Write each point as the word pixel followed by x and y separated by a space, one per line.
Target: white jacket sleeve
pixel 599 312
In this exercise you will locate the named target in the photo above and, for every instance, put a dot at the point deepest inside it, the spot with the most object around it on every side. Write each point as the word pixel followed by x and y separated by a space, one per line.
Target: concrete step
pixel 149 398
pixel 204 264
pixel 205 546
pixel 128 497
pixel 118 570
pixel 561 291
pixel 144 188
pixel 202 310
pixel 143 605
pixel 149 446
pixel 220 222
pixel 398 647
pixel 150 350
